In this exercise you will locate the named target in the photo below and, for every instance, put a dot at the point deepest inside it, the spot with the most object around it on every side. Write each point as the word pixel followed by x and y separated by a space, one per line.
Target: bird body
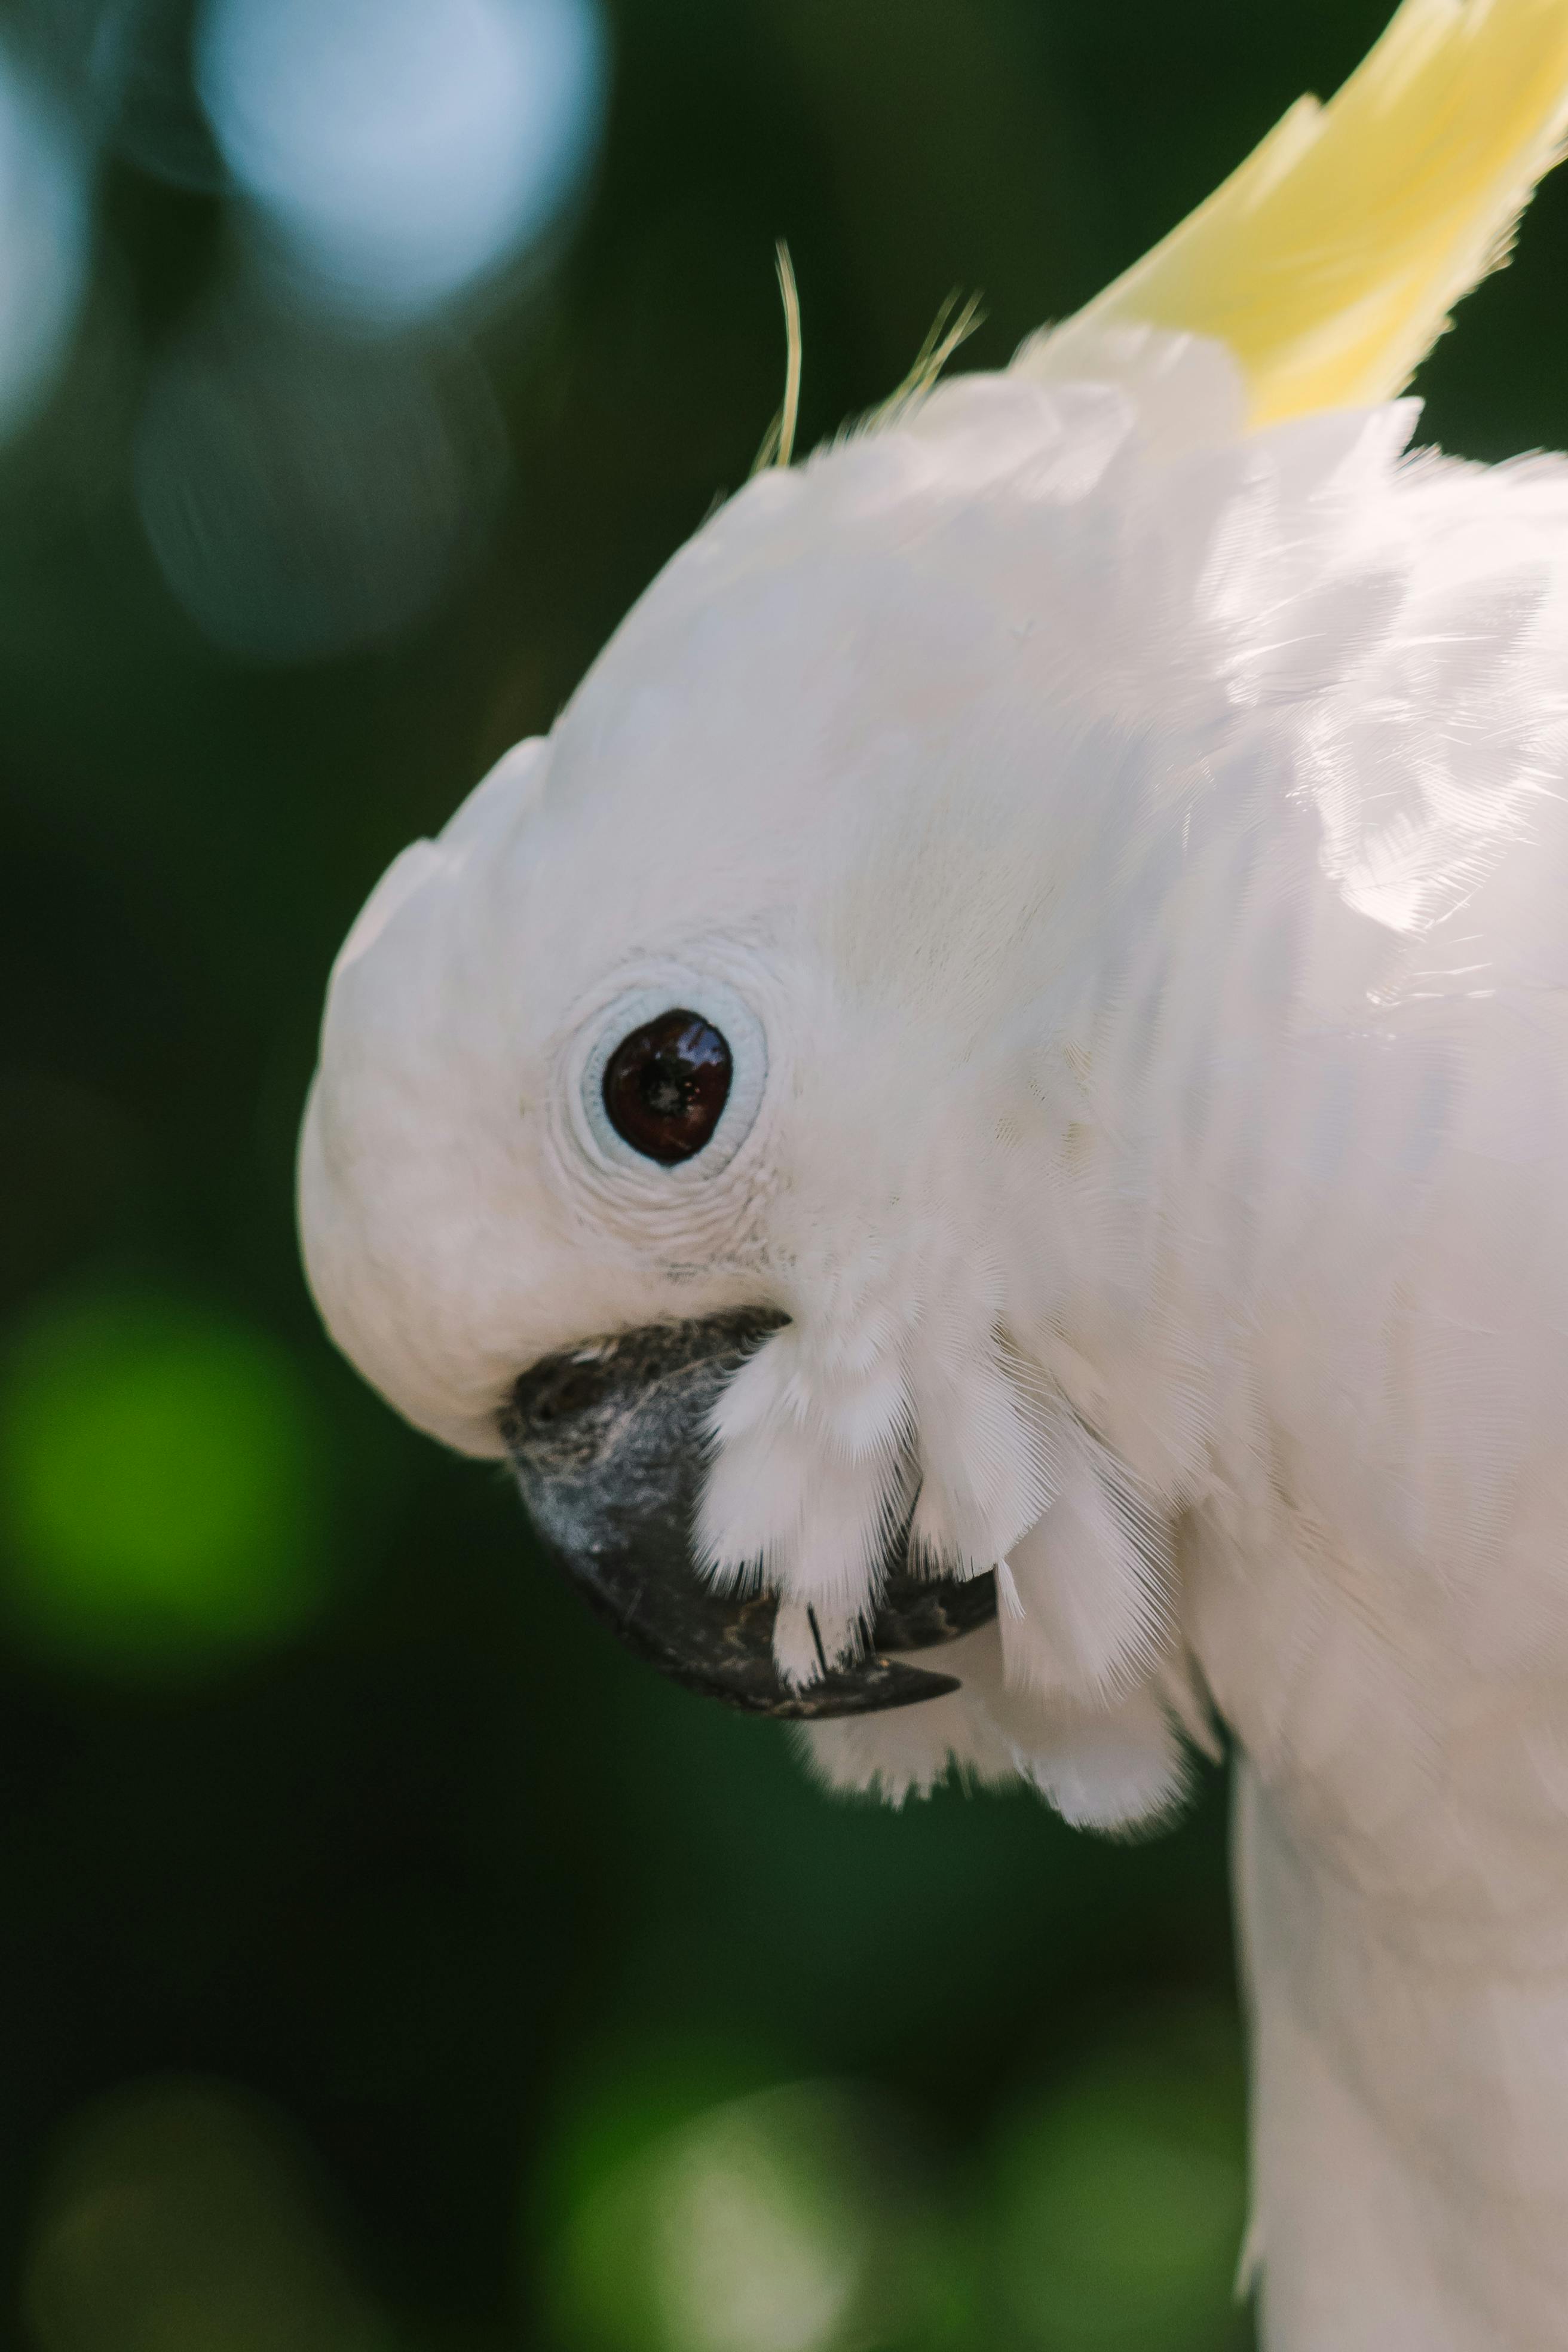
pixel 1111 814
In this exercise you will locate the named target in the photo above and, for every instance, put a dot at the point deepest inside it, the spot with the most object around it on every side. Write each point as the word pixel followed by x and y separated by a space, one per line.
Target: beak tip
pixel 872 1685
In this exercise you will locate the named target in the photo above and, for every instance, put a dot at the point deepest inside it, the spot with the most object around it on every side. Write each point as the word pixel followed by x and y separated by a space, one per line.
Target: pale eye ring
pixel 674 1078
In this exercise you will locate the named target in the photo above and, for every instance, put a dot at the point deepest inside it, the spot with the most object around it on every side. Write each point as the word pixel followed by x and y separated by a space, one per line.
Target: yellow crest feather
pixel 1328 263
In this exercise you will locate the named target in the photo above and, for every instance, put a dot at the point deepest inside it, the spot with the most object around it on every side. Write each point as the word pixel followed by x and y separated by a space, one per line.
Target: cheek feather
pixel 825 1452
pixel 1091 1584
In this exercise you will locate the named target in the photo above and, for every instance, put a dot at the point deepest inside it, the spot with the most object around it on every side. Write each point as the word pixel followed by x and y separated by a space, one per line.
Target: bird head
pixel 721 1120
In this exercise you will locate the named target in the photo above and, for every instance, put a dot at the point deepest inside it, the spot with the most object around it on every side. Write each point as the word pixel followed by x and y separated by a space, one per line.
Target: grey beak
pixel 608 1440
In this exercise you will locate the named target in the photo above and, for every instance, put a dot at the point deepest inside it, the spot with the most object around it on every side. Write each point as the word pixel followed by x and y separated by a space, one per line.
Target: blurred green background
pixel 385 1960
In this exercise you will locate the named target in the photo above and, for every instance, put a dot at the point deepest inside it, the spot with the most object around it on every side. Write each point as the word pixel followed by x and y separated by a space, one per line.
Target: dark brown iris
pixel 666 1086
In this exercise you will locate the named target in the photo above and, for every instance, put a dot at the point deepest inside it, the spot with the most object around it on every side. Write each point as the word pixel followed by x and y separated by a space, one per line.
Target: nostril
pixel 564 1400
pixel 575 1389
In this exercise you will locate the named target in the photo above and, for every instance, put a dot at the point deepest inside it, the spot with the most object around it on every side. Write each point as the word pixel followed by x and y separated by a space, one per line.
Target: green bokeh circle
pixel 161 1492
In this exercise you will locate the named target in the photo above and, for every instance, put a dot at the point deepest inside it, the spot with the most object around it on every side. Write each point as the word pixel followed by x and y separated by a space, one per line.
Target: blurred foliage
pixel 770 2222
pixel 1119 2196
pixel 160 1479
pixel 579 2019
pixel 177 2217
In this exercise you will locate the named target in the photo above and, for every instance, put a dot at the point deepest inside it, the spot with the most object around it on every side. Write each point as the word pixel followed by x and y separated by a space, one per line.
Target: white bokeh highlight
pixel 304 492
pixel 43 244
pixel 400 150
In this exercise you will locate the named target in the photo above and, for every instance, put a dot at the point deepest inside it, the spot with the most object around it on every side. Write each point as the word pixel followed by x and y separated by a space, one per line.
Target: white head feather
pixel 1064 792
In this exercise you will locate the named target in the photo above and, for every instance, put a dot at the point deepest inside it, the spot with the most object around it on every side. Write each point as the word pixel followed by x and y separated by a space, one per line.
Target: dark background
pixel 385 1960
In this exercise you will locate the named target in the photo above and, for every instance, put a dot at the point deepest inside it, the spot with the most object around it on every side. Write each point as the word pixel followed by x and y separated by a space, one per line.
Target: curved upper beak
pixel 609 1442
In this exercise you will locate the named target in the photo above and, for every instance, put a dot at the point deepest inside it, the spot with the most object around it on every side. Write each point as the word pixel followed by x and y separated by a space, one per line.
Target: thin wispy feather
pixel 946 334
pixel 952 326
pixel 778 441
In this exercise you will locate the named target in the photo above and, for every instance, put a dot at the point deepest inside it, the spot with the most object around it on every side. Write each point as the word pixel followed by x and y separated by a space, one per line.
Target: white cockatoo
pixel 1000 1080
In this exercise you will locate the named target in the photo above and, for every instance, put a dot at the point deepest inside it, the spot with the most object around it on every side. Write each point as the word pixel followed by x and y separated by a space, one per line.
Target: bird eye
pixel 665 1086
pixel 670 1075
